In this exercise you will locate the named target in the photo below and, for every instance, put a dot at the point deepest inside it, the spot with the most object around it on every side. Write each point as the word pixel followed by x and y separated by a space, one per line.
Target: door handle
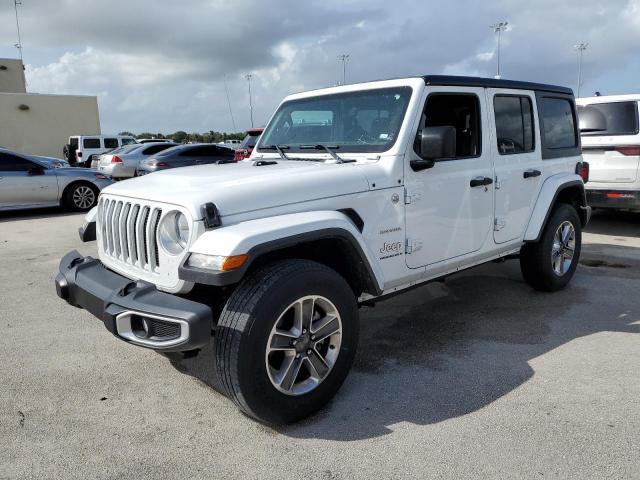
pixel 481 182
pixel 531 173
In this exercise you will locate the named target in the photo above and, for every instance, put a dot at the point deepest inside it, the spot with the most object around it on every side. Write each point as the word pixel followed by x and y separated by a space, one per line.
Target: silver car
pixel 123 162
pixel 29 181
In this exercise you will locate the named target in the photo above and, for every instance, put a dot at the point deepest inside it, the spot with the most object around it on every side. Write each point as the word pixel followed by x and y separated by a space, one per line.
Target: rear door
pixel 517 160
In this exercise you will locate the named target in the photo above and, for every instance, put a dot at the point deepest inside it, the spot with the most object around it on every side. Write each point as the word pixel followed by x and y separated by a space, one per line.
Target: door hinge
pixel 412 246
pixel 411 198
pixel 499 223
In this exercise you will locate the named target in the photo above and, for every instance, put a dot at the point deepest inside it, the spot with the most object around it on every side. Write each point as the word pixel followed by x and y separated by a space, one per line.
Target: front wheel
pixel 286 340
pixel 81 197
pixel 549 264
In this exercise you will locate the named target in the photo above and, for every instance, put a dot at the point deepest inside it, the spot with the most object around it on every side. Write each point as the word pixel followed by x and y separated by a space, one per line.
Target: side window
pixel 193 152
pixel 559 123
pixel 155 149
pixel 514 124
pixel 91 143
pixel 110 143
pixel 460 111
pixel 11 163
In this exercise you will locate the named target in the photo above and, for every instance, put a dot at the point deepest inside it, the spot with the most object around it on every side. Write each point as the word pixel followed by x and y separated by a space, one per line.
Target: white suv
pixel 352 194
pixel 611 145
pixel 80 149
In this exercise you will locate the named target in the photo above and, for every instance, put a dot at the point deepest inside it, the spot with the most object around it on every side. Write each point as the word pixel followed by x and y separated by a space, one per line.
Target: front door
pixel 517 160
pixel 449 208
pixel 23 182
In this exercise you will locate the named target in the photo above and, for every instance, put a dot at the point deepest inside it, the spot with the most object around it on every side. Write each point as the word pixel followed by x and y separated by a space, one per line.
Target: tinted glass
pixel 208 150
pixel 128 141
pixel 559 124
pixel 73 142
pixel 460 111
pixel 155 149
pixel 91 143
pixel 621 118
pixel 110 143
pixel 514 124
pixel 11 163
pixel 365 121
pixel 249 141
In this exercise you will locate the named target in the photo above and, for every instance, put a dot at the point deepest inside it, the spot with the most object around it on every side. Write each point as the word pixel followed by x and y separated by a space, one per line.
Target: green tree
pixel 179 137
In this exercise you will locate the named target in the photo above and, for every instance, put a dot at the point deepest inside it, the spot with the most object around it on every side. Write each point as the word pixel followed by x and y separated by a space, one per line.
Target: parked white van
pixel 81 148
pixel 610 133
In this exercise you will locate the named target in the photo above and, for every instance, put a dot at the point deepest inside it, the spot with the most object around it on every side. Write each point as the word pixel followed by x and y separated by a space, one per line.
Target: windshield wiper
pixel 329 150
pixel 279 149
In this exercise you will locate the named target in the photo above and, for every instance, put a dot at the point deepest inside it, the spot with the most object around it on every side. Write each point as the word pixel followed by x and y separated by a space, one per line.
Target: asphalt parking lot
pixel 480 377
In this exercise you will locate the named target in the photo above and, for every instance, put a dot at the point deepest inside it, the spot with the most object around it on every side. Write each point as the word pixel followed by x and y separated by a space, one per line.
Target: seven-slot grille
pixel 130 232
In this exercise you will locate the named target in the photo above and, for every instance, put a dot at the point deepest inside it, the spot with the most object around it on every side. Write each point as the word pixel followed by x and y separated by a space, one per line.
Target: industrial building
pixel 40 124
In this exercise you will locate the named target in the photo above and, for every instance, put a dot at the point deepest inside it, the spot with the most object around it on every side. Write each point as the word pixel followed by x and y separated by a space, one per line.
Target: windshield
pixel 126 148
pixel 364 121
pixel 250 141
pixel 621 118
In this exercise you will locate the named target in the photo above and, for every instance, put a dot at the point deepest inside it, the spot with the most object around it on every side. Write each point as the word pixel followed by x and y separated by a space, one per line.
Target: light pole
pixel 19 44
pixel 344 58
pixel 580 48
pixel 499 28
pixel 248 77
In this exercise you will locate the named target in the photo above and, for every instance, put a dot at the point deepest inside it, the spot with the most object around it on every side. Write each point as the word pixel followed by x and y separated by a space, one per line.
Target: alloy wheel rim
pixel 304 345
pixel 563 249
pixel 83 197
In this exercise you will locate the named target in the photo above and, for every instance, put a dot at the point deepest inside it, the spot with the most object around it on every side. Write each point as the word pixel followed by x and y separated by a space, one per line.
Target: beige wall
pixel 45 127
pixel 11 76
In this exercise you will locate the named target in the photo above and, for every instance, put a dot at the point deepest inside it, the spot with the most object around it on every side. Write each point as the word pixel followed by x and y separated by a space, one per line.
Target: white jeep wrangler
pixel 352 194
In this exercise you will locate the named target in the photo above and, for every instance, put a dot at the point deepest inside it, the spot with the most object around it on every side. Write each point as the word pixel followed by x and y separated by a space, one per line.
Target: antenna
pixel 19 44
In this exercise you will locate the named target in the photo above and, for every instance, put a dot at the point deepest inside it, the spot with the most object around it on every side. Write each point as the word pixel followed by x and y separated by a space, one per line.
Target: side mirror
pixel 36 170
pixel 591 120
pixel 434 143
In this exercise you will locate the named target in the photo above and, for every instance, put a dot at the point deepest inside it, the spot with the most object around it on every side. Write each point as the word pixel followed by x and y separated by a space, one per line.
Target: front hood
pixel 242 187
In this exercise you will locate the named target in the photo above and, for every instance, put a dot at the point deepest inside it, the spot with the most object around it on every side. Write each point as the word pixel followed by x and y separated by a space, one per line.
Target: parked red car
pixel 246 147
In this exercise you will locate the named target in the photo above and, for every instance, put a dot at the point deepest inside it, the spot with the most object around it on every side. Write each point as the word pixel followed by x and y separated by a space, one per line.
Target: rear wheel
pixel 81 197
pixel 549 264
pixel 286 340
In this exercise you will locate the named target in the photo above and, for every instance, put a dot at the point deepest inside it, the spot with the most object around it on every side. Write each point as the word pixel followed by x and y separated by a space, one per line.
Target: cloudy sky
pixel 160 65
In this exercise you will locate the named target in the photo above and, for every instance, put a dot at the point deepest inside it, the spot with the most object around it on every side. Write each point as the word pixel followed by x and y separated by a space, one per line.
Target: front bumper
pixel 135 312
pixel 617 199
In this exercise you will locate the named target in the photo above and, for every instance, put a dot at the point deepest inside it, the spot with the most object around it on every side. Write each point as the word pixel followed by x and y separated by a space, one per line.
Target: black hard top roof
pixel 459 81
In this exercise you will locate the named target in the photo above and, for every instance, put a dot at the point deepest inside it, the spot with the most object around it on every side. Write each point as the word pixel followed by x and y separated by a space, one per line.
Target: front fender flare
pixel 260 236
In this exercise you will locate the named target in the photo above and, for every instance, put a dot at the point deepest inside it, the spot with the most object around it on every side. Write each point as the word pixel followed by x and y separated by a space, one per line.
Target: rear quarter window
pixel 559 123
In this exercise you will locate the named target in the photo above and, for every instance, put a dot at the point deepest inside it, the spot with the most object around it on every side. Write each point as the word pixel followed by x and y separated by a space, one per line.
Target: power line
pixel 224 79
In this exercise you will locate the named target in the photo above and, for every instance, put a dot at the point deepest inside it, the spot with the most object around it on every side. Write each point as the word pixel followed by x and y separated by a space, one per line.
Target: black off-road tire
pixel 536 258
pixel 69 202
pixel 246 323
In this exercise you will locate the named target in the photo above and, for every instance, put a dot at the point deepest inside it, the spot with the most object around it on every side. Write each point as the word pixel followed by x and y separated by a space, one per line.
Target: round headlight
pixel 174 233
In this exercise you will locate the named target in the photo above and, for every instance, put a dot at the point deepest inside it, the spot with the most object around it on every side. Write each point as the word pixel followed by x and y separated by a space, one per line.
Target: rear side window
pixel 110 143
pixel 559 123
pixel 155 149
pixel 621 118
pixel 91 143
pixel 514 124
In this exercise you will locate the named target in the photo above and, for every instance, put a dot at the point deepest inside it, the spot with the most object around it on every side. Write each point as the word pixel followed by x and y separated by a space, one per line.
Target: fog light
pixel 139 326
